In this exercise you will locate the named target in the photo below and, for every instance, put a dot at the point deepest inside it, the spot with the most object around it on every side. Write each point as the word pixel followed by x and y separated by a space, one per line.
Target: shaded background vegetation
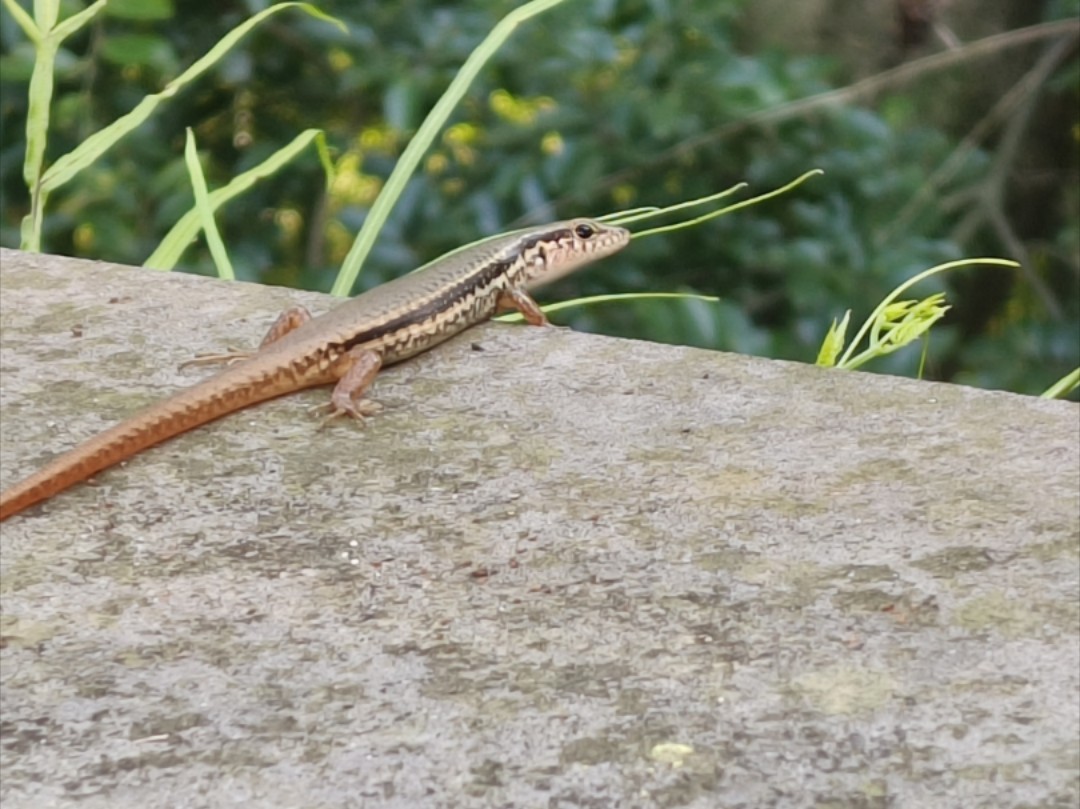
pixel 604 104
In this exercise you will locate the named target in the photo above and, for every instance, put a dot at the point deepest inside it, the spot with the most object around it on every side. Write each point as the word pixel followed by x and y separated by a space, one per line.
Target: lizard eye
pixel 585 231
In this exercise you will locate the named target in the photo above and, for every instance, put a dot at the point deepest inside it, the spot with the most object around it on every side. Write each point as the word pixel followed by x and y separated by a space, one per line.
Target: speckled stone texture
pixel 557 571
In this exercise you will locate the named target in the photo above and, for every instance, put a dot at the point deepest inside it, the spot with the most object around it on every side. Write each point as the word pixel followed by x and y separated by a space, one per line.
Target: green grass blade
pixel 723 211
pixel 97 144
pixel 833 343
pixel 513 317
pixel 924 356
pixel 76 21
pixel 897 326
pixel 874 320
pixel 46 40
pixel 25 21
pixel 611 217
pixel 39 102
pixel 626 217
pixel 1063 387
pixel 206 212
pixel 46 12
pixel 183 233
pixel 422 140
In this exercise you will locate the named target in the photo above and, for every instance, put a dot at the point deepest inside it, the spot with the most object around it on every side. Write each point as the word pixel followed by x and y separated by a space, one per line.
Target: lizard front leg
pixel 520 301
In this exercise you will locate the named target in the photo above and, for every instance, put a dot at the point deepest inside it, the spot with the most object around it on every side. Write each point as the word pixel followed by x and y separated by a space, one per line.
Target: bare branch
pixel 859 91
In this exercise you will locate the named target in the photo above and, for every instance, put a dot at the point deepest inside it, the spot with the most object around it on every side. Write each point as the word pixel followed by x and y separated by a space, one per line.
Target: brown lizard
pixel 348 345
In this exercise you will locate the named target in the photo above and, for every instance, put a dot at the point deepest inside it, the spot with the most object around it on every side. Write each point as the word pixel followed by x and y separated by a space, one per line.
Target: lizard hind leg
pixel 360 367
pixel 288 321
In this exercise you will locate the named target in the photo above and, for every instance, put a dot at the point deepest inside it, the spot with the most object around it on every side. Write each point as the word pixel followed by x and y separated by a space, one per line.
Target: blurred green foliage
pixel 596 106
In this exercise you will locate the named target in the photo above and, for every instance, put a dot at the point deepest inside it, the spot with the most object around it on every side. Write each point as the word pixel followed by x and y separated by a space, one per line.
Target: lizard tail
pixel 232 389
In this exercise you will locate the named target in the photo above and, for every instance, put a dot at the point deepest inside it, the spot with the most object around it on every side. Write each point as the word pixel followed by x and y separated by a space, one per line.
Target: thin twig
pixel 993 197
pixel 1002 110
pixel 860 90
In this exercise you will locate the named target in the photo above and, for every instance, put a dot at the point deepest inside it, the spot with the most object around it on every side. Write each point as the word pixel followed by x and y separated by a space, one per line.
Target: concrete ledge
pixel 559 570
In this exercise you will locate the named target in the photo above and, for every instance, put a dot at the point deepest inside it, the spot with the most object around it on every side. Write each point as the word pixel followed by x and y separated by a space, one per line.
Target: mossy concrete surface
pixel 558 570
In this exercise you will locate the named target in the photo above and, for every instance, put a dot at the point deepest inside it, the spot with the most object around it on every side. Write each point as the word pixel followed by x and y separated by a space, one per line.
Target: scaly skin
pixel 347 345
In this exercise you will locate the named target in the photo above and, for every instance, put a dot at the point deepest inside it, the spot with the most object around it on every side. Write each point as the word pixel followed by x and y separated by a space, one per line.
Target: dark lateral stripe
pixel 477 281
pixel 551 236
pixel 437 305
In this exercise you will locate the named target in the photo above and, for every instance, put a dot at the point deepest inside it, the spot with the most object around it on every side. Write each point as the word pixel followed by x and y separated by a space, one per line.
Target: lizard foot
pixel 357 411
